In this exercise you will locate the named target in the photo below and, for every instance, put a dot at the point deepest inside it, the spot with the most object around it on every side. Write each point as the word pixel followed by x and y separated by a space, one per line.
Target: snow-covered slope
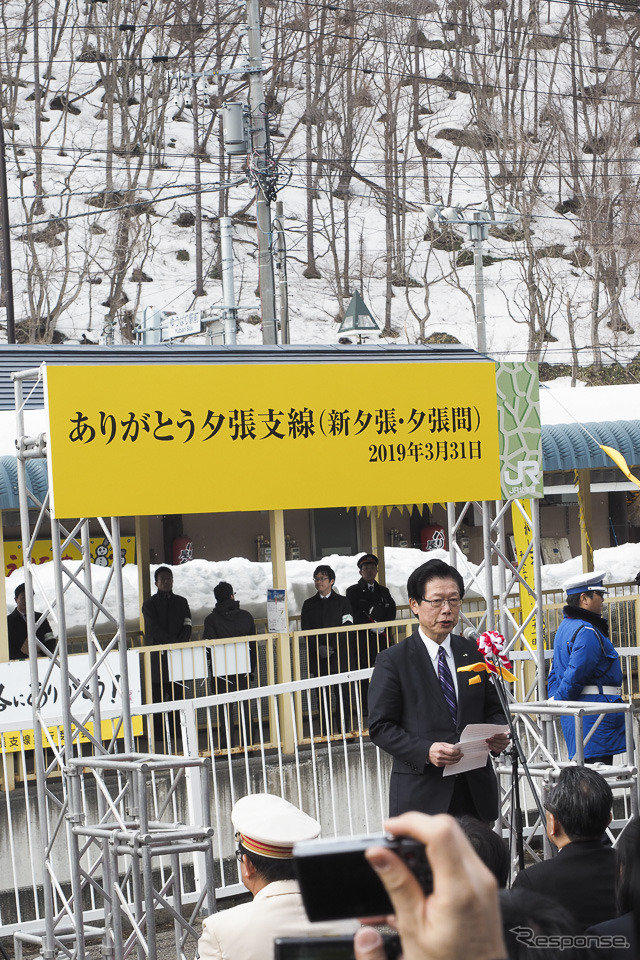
pixel 373 112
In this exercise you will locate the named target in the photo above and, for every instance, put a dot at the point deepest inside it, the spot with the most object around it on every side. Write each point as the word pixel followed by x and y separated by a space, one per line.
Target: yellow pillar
pixel 4 636
pixel 377 540
pixel 142 558
pixel 283 646
pixel 586 525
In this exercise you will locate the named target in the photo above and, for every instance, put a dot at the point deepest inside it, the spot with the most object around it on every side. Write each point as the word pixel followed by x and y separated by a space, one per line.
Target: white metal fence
pixel 333 772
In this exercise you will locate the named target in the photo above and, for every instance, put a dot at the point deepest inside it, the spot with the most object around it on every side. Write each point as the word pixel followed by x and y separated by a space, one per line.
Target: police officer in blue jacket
pixel 587 667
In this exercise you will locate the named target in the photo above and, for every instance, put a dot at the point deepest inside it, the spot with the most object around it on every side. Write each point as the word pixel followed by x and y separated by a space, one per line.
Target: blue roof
pixel 574 446
pixel 36 481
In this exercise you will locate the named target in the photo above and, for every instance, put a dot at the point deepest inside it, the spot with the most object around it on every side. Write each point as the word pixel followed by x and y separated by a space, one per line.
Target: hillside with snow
pixel 117 173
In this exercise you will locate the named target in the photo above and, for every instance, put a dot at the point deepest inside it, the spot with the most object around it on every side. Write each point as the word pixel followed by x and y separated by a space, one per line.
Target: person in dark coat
pixel 586 666
pixel 228 619
pixel 17 628
pixel 627 895
pixel 327 654
pixel 582 876
pixel 228 662
pixel 627 890
pixel 419 705
pixel 371 603
pixel 167 619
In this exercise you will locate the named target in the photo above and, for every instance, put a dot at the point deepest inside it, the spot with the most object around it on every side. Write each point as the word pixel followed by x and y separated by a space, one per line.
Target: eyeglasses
pixel 453 602
pixel 319 579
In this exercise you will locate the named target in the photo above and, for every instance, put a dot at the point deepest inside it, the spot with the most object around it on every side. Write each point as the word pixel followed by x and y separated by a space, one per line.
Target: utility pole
pixel 477 223
pixel 281 264
pixel 228 292
pixel 7 278
pixel 260 162
pixel 478 233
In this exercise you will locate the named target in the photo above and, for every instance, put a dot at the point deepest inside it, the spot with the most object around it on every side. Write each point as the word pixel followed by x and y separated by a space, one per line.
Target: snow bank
pixel 196 580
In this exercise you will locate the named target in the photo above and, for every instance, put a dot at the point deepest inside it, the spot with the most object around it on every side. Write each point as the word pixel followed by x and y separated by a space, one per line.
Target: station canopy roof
pixel 575 420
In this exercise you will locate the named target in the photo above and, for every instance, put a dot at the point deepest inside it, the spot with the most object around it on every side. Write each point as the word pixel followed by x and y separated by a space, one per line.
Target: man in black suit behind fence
pixel 419 705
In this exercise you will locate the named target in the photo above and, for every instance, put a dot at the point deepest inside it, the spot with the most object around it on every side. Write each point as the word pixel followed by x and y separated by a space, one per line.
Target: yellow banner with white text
pixel 141 440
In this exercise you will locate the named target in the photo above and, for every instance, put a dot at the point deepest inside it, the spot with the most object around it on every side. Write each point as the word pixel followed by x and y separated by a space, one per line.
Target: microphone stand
pixel 517 757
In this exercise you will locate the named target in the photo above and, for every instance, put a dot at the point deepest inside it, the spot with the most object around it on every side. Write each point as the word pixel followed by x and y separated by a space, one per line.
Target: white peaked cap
pixel 269 826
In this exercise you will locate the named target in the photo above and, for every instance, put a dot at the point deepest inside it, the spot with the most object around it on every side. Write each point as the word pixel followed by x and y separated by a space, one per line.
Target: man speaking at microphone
pixel 419 705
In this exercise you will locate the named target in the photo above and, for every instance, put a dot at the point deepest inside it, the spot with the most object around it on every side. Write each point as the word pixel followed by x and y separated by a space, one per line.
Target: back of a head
pixel 271 869
pixel 527 915
pixel 581 802
pixel 223 591
pixel 491 848
pixel 628 861
pixel 432 570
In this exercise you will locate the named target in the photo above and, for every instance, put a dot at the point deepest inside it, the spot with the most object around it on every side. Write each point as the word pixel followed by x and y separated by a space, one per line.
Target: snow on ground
pixel 196 580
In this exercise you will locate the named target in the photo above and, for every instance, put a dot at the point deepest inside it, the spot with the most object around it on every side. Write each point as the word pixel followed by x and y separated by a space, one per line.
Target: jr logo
pixel 528 474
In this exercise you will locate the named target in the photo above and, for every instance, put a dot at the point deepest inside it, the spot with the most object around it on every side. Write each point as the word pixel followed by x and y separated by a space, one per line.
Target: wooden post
pixel 142 559
pixel 4 634
pixel 377 540
pixel 283 646
pixel 586 525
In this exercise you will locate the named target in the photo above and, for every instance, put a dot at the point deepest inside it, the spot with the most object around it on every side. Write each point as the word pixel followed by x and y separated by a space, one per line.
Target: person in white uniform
pixel 266 829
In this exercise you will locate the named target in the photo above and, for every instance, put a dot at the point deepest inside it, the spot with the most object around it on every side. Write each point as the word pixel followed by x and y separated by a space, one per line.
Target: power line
pixel 126 206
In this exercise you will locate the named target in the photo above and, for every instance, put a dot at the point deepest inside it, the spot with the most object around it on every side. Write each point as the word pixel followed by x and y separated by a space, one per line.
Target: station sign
pixel 182 326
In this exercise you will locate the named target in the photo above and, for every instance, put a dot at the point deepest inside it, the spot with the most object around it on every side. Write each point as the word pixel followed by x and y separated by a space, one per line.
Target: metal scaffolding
pixel 125 864
pixel 114 861
pixel 497 577
pixel 534 717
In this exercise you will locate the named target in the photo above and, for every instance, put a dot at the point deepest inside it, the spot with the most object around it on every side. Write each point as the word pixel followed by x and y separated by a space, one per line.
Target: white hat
pixel 584 582
pixel 269 826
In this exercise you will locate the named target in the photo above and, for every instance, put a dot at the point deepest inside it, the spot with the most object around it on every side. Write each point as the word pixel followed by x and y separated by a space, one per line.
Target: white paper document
pixel 474 747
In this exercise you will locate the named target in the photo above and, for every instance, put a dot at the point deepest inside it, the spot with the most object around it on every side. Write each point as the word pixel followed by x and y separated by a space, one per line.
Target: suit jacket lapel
pixel 462 659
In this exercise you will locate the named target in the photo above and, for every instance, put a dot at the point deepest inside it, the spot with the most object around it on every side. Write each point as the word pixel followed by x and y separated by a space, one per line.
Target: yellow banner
pixel 522 541
pixel 101 553
pixel 14 741
pixel 136 440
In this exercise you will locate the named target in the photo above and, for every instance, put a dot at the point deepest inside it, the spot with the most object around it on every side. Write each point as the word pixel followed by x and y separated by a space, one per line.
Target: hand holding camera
pixel 460 919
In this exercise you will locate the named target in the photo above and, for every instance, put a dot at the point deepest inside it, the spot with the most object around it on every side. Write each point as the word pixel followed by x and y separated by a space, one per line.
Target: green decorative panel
pixel 518 391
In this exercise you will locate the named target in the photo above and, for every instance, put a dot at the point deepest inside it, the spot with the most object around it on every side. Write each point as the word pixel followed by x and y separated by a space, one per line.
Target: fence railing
pixel 200 668
pixel 341 779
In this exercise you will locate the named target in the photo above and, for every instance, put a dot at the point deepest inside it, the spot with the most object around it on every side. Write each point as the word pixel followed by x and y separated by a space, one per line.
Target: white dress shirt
pixel 433 649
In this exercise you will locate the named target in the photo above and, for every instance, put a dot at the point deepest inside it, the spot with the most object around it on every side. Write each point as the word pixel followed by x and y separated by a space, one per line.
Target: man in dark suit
pixel 17 628
pixel 582 876
pixel 327 653
pixel 419 705
pixel 371 603
pixel 167 619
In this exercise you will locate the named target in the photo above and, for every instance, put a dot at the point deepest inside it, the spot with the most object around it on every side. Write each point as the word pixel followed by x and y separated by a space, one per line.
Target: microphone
pixel 471 634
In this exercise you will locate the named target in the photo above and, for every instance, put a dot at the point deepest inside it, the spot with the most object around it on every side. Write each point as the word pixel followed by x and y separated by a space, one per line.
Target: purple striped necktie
pixel 446 682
